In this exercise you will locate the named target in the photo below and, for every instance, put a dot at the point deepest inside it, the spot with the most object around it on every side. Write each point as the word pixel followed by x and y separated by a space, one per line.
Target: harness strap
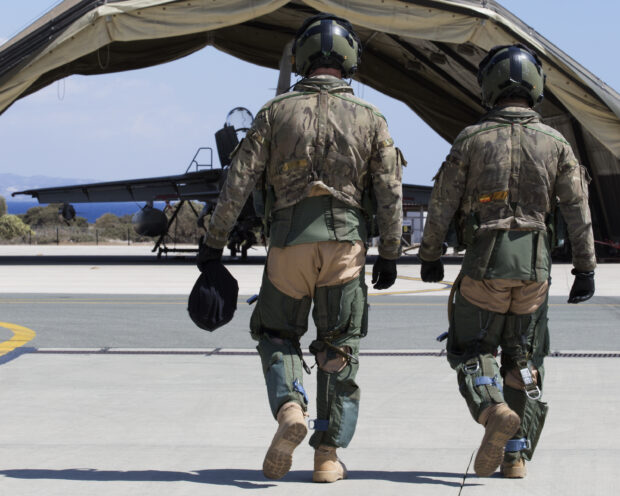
pixel 488 381
pixel 521 444
pixel 300 389
pixel 319 345
pixel 320 425
pixel 522 361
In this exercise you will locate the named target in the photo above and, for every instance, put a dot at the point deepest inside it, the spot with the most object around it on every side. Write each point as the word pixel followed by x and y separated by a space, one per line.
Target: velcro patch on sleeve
pixel 293 164
pixel 386 143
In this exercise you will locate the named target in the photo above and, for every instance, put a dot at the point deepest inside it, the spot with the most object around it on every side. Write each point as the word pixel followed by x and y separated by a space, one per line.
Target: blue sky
pixel 150 122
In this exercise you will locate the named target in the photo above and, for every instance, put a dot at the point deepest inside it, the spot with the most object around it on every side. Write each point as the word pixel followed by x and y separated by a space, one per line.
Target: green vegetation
pixel 13 228
pixel 43 216
pixel 44 225
pixel 3 209
pixel 185 229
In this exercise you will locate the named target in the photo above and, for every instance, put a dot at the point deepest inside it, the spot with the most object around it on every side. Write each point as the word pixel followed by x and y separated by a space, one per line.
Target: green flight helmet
pixel 325 40
pixel 511 70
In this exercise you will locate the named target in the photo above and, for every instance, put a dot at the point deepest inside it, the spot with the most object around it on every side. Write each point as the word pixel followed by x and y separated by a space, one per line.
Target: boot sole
pixel 491 451
pixel 279 457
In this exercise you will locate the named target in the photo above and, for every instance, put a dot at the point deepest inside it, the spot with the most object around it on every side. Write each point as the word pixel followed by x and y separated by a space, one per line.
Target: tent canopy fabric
pixel 422 52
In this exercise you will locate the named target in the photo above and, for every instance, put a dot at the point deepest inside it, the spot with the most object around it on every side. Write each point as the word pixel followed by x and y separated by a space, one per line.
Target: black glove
pixel 383 273
pixel 207 255
pixel 431 271
pixel 583 287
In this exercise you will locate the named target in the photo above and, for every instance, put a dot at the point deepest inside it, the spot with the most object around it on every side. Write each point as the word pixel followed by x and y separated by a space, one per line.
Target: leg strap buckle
pixel 320 425
pixel 471 367
pixel 533 392
pixel 531 388
pixel 514 445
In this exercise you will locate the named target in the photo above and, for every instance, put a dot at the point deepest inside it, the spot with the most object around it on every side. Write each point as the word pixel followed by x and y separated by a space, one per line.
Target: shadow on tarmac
pixel 243 479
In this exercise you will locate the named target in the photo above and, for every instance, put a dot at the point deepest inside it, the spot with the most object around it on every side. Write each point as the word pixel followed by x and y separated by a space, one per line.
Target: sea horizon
pixel 90 211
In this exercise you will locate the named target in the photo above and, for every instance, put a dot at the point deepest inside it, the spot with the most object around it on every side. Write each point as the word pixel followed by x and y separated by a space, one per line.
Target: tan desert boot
pixel 501 423
pixel 514 470
pixel 291 431
pixel 327 466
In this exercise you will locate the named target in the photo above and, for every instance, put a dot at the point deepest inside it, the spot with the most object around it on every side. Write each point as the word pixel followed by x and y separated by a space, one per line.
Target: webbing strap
pixel 320 425
pixel 514 445
pixel 488 381
pixel 300 389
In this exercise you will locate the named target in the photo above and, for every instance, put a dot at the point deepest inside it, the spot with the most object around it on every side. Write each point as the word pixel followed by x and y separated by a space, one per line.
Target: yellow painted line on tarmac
pixel 21 336
pixel 413 291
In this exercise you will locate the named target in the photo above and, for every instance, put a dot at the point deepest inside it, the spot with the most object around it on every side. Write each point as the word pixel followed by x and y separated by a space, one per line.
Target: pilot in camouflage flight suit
pixel 314 155
pixel 503 178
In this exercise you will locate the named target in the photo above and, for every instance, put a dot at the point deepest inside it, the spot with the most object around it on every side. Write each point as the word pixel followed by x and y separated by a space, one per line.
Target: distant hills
pixel 10 183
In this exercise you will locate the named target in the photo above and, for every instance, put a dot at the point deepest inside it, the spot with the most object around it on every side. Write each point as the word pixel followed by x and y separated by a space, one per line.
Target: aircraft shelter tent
pixel 422 52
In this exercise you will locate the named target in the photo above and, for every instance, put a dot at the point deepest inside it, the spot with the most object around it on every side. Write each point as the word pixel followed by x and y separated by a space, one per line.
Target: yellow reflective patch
pixel 497 196
pixel 293 164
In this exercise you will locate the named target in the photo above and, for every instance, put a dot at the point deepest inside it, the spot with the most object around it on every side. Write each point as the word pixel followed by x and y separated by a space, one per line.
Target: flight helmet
pixel 511 70
pixel 325 40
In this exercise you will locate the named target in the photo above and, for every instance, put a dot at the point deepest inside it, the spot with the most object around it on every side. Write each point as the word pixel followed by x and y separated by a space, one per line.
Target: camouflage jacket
pixel 319 135
pixel 510 169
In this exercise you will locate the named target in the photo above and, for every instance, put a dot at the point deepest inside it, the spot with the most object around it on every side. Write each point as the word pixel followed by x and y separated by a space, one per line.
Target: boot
pixel 291 431
pixel 327 466
pixel 514 470
pixel 501 423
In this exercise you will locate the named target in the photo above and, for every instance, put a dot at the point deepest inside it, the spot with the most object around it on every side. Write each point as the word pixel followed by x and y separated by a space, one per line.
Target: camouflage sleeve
pixel 446 197
pixel 571 188
pixel 386 173
pixel 249 160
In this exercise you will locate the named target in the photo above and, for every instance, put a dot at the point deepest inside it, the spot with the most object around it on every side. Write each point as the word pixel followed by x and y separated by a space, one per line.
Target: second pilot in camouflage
pixel 501 183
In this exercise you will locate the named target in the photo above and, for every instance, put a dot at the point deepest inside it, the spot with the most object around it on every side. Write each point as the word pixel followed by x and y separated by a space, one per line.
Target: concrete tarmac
pixel 150 418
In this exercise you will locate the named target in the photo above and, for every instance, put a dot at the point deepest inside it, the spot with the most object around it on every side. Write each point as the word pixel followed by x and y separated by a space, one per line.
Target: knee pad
pixel 341 310
pixel 279 314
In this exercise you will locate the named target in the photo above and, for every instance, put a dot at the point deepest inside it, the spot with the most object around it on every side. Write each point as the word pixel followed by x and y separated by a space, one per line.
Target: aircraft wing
pixel 202 186
pixel 415 195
